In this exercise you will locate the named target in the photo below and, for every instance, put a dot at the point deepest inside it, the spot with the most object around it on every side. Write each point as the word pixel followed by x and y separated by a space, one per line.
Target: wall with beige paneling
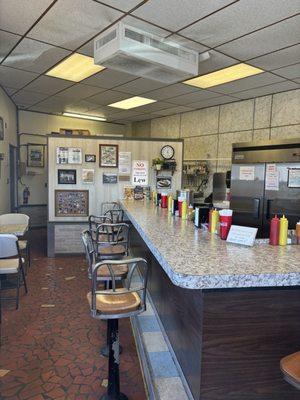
pixel 9 114
pixel 209 133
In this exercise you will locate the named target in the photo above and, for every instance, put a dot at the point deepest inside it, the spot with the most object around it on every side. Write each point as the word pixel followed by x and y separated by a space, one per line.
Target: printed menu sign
pixel 247 173
pixel 140 172
pixel 242 235
pixel 272 177
pixel 294 178
pixel 124 162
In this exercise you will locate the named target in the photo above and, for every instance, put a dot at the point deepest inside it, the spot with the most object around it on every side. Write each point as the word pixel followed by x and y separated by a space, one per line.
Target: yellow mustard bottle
pixel 184 210
pixel 154 194
pixel 170 199
pixel 214 221
pixel 283 231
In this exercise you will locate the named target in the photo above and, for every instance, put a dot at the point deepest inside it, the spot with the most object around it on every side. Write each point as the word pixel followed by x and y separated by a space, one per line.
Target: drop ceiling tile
pixel 82 106
pixel 199 95
pixel 213 102
pixel 103 110
pixel 215 62
pixel 247 83
pixel 167 92
pixel 139 85
pixel 9 91
pixel 277 59
pixel 269 89
pixel 87 49
pixel 145 26
pixel 297 80
pixel 124 5
pixel 153 107
pixel 290 72
pixel 34 56
pixel 18 16
pixel 141 117
pixel 108 97
pixel 108 79
pixel 176 14
pixel 275 37
pixel 70 23
pixel 48 85
pixel 7 42
pixel 174 110
pixel 15 78
pixel 27 98
pixel 185 42
pixel 239 19
pixel 52 104
pixel 125 114
pixel 79 91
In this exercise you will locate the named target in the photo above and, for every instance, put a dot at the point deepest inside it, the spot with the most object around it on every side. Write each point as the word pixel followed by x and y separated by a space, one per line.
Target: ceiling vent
pixel 140 53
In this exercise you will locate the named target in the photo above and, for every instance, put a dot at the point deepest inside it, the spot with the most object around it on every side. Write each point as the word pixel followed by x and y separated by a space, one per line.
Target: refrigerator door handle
pixel 256 204
pixel 268 213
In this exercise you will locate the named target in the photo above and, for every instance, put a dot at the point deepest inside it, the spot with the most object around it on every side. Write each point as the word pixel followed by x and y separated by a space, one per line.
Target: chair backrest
pixel 113 234
pixel 109 205
pixel 14 218
pixel 9 246
pixel 94 221
pixel 116 215
pixel 89 250
pixel 134 264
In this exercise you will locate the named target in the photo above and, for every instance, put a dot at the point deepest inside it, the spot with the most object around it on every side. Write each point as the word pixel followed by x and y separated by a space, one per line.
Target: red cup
pixel 164 201
pixel 180 206
pixel 225 224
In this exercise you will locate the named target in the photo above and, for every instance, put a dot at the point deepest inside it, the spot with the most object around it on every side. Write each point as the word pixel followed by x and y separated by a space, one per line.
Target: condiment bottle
pixel 154 194
pixel 274 231
pixel 184 210
pixel 170 201
pixel 209 219
pixel 174 206
pixel 164 200
pixel 214 221
pixel 190 212
pixel 298 232
pixel 180 201
pixel 283 231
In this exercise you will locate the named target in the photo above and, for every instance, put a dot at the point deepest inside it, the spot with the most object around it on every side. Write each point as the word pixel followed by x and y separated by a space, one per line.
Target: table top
pixel 197 259
pixel 14 229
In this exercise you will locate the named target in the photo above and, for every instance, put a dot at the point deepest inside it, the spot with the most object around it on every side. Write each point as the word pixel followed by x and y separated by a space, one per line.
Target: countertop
pixel 196 259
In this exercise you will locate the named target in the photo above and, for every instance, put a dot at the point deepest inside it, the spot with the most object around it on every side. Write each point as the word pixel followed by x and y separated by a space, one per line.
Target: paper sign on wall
pixel 124 162
pixel 247 173
pixel 294 178
pixel 242 235
pixel 140 169
pixel 272 177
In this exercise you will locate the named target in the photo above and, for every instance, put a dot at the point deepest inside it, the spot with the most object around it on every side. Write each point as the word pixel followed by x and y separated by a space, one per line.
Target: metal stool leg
pixel 113 389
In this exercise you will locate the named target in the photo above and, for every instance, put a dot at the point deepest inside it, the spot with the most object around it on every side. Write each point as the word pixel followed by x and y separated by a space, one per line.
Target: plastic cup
pixel 225 224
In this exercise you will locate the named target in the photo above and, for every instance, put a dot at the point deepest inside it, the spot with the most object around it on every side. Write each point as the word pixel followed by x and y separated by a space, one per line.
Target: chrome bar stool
pixel 290 368
pixel 113 304
pixel 112 241
pixel 94 221
pixel 109 205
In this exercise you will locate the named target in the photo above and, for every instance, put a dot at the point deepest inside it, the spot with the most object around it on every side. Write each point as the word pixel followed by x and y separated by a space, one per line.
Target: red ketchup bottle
pixel 274 231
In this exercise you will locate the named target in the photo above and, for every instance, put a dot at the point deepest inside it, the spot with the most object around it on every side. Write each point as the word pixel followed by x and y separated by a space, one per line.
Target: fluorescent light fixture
pixel 132 102
pixel 224 75
pixel 84 116
pixel 75 68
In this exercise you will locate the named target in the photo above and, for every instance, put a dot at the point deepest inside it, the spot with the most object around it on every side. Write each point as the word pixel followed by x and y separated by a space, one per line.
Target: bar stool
pixel 113 304
pixel 94 221
pixel 108 205
pixel 290 367
pixel 112 241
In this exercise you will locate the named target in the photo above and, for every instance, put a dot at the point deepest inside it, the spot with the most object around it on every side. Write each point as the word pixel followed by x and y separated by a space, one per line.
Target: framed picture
pixel 88 175
pixel 108 155
pixel 110 178
pixel 71 203
pixel 164 182
pixel 1 129
pixel 294 178
pixel 66 176
pixel 90 158
pixel 35 155
pixel 68 155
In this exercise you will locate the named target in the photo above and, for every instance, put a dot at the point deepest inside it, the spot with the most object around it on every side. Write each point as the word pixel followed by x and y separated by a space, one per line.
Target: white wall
pixel 9 115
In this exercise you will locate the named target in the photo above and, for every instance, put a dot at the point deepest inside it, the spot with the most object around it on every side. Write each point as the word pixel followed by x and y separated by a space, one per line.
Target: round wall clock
pixel 167 152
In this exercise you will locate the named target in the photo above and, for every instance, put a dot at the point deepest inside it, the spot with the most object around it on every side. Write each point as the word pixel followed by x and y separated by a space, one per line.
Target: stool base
pixel 121 396
pixel 104 351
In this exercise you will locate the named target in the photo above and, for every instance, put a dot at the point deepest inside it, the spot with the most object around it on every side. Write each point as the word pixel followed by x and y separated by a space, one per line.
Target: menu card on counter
pixel 242 235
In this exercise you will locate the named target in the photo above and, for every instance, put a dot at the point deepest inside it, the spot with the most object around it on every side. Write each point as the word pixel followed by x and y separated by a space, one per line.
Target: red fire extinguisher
pixel 26 194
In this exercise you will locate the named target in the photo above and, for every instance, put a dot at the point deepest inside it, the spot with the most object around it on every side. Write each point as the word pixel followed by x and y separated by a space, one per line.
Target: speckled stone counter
pixel 195 259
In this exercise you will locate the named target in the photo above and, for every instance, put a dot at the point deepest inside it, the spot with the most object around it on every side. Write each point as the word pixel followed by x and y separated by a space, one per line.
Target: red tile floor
pixel 52 352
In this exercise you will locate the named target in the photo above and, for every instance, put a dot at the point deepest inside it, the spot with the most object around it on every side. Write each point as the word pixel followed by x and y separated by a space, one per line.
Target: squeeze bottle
pixel 283 231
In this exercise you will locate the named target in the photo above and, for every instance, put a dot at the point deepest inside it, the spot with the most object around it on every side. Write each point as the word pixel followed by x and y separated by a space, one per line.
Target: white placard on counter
pixel 124 162
pixel 140 170
pixel 242 235
pixel 247 173
pixel 272 177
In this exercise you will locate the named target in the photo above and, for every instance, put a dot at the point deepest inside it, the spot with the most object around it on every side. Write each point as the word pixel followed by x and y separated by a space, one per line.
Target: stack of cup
pixel 225 223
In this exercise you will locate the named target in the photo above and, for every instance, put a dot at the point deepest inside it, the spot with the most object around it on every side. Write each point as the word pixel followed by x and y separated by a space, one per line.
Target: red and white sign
pixel 140 171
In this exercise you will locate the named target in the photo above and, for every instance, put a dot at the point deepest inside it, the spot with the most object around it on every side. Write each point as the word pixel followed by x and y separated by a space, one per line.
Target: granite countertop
pixel 196 259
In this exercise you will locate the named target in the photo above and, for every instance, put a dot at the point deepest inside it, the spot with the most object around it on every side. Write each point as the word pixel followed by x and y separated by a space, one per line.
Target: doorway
pixel 13 178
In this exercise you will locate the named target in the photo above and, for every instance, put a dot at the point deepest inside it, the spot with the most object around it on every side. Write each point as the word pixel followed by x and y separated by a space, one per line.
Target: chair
pixel 109 205
pixel 94 221
pixel 112 241
pixel 290 367
pixel 113 304
pixel 18 219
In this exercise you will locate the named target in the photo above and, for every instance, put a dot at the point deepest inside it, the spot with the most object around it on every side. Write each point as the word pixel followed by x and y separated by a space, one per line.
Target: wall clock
pixel 167 152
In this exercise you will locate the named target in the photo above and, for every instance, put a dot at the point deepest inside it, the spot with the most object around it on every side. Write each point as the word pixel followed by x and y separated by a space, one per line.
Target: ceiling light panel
pixel 225 75
pixel 83 116
pixel 75 68
pixel 132 102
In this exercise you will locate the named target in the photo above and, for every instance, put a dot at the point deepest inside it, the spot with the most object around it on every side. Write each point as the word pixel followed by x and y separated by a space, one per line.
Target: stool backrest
pixel 116 215
pixel 14 218
pixel 89 250
pixel 134 265
pixel 9 246
pixel 94 221
pixel 109 205
pixel 113 234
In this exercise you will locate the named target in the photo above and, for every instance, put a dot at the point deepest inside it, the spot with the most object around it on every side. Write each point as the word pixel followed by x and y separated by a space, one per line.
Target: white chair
pixel 18 219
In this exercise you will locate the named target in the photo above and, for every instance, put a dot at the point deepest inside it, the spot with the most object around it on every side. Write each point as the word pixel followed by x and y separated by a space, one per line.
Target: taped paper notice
pixel 247 173
pixel 272 177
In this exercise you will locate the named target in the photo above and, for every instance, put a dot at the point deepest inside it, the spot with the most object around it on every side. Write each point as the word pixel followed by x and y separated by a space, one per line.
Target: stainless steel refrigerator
pixel 265 180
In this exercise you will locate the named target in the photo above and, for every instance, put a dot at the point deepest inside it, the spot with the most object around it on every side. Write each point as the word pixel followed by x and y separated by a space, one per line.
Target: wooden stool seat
pixel 120 303
pixel 112 250
pixel 9 266
pixel 290 367
pixel 22 244
pixel 120 271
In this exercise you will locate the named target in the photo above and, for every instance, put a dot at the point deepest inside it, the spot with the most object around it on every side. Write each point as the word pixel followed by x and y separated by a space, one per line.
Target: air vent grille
pixel 106 39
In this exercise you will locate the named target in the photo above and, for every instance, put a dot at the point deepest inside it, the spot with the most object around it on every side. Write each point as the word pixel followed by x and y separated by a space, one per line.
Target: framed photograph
pixel 110 178
pixel 164 182
pixel 90 158
pixel 66 176
pixel 88 176
pixel 108 155
pixel 35 155
pixel 68 155
pixel 1 129
pixel 71 203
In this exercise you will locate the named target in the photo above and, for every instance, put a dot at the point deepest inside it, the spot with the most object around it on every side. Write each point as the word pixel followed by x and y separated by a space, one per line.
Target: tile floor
pixel 50 346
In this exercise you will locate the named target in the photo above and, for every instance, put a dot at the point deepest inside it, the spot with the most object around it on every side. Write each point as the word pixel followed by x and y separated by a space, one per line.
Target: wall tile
pixel 201 147
pixel 200 122
pixel 225 145
pixel 285 108
pixel 165 127
pixel 262 112
pixel 141 128
pixel 261 134
pixel 286 132
pixel 236 116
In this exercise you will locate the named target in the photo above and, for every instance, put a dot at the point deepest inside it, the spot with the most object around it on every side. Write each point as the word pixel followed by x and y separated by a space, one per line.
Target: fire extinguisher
pixel 26 194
